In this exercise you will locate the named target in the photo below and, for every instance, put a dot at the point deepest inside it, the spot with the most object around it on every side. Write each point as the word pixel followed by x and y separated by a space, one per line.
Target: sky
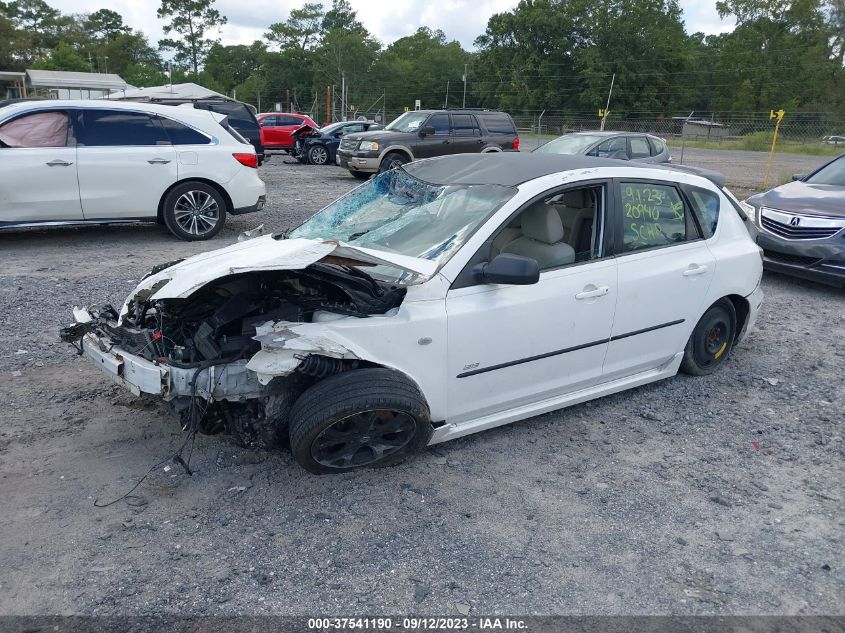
pixel 388 20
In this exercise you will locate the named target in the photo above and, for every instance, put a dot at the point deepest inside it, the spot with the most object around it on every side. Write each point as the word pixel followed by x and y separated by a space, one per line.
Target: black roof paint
pixel 514 168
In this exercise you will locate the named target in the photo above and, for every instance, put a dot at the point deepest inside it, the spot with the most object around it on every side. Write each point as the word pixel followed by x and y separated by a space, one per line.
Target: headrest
pixel 542 223
pixel 578 199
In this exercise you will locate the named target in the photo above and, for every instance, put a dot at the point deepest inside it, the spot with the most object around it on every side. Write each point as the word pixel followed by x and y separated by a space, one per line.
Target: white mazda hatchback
pixel 77 162
pixel 446 297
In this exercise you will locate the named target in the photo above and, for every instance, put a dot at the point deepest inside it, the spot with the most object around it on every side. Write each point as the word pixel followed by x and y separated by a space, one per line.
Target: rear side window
pixel 288 120
pixel 657 146
pixel 706 207
pixel 181 134
pixel 653 216
pixel 639 147
pixel 109 128
pixel 498 123
pixel 464 125
pixel 41 129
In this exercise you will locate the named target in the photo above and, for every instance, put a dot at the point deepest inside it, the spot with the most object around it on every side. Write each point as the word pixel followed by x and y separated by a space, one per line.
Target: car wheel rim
pixel 363 438
pixel 714 340
pixel 395 163
pixel 197 212
pixel 319 156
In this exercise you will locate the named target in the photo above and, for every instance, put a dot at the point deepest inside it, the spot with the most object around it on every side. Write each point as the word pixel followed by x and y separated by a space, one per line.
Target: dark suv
pixel 425 134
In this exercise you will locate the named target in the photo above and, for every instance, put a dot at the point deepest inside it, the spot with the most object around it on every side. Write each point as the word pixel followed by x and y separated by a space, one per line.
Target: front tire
pixel 358 419
pixel 194 211
pixel 711 341
pixel 318 155
pixel 392 161
pixel 360 175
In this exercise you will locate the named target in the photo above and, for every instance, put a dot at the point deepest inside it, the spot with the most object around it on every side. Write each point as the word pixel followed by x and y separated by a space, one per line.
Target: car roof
pixel 512 168
pixel 172 112
pixel 604 133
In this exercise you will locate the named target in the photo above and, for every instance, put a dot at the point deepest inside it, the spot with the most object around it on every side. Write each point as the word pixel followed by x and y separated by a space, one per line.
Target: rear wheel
pixel 357 419
pixel 392 161
pixel 318 155
pixel 194 211
pixel 711 341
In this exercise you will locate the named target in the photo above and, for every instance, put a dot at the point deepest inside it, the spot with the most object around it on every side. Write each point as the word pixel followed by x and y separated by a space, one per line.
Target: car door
pixel 638 149
pixel 126 163
pixel 665 270
pixel 436 144
pixel 511 346
pixel 38 180
pixel 466 135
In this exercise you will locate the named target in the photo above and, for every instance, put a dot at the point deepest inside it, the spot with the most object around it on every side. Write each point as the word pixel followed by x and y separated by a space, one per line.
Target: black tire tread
pixel 688 364
pixel 344 393
pixel 178 190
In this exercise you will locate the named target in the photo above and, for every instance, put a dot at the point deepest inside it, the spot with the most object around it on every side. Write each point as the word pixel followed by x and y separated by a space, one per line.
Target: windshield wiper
pixel 355 236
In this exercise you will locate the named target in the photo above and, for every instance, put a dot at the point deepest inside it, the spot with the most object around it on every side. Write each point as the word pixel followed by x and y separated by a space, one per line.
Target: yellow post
pixel 779 116
pixel 603 114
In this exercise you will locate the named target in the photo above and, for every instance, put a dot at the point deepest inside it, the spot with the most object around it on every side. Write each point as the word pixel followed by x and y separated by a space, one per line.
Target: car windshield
pixel 831 174
pixel 569 144
pixel 397 213
pixel 408 122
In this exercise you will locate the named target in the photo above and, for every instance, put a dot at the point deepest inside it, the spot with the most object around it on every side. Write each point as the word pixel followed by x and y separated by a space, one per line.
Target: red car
pixel 276 128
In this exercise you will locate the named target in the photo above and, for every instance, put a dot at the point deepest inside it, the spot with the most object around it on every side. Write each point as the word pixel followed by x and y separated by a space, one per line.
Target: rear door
pixel 126 163
pixel 38 169
pixel 466 135
pixel 665 271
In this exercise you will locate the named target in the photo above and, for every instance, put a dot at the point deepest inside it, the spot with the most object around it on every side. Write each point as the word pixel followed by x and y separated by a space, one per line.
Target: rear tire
pixel 358 419
pixel 711 341
pixel 194 211
pixel 392 161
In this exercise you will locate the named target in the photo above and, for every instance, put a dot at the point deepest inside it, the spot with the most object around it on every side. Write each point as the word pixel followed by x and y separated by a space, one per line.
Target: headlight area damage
pixel 228 357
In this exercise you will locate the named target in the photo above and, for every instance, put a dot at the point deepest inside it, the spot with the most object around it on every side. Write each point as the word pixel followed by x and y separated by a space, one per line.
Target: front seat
pixel 542 232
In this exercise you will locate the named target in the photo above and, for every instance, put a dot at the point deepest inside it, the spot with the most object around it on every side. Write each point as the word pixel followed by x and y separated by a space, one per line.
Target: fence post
pixel 779 116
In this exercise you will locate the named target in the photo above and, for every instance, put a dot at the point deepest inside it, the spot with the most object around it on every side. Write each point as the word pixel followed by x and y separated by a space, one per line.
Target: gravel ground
pixel 715 495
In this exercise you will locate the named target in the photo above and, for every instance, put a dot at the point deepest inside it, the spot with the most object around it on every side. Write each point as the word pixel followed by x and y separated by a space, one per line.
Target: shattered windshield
pixel 408 122
pixel 396 213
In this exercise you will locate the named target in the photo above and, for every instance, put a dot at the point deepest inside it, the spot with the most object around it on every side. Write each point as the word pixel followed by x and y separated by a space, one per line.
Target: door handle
pixel 592 293
pixel 59 163
pixel 158 161
pixel 695 269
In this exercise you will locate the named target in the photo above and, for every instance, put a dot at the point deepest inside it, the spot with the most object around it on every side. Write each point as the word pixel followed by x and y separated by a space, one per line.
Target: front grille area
pixel 799 227
pixel 787 258
pixel 348 143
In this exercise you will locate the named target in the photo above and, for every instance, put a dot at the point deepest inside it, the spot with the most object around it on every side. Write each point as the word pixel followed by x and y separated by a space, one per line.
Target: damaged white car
pixel 443 298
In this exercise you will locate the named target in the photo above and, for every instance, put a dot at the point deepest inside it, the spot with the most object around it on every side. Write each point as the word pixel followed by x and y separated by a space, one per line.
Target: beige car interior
pixel 43 129
pixel 555 231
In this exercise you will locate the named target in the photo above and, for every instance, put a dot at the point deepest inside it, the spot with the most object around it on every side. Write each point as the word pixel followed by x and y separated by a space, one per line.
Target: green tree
pixel 192 20
pixel 230 66
pixel 105 24
pixel 300 31
pixel 63 57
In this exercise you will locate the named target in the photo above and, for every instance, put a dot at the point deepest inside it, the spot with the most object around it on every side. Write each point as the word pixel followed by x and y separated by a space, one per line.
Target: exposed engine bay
pixel 203 342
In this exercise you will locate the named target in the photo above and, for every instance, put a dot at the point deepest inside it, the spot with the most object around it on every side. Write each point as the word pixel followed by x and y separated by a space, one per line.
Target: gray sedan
pixel 800 225
pixel 643 148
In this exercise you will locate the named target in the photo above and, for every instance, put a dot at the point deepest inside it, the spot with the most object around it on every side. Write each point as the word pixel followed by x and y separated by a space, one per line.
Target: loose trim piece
pixel 530 359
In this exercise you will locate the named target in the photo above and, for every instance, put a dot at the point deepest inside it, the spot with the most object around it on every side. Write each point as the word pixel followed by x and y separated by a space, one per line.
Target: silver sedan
pixel 643 148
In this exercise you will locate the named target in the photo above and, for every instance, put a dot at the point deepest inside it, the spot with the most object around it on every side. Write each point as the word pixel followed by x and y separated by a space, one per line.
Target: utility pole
pixel 447 95
pixel 106 62
pixel 258 98
pixel 343 96
pixel 607 107
pixel 329 105
pixel 465 86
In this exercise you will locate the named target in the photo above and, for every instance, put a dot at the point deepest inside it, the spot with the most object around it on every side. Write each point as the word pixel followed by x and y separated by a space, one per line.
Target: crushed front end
pixel 194 352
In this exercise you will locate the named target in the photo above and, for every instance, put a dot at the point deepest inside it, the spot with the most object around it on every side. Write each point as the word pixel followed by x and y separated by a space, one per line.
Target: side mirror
pixel 506 268
pixel 799 177
pixel 427 130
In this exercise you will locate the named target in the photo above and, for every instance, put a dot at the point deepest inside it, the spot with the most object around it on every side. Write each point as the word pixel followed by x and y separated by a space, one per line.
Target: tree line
pixel 554 55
